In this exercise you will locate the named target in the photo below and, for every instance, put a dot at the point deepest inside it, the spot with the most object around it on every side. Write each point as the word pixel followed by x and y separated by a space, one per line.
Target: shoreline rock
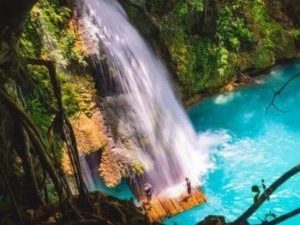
pixel 247 79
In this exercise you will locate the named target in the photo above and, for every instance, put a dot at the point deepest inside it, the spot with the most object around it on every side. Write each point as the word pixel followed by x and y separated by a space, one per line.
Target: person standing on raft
pixel 148 192
pixel 188 186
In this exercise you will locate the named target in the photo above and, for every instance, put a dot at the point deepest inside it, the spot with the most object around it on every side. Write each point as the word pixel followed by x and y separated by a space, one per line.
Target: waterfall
pixel 145 104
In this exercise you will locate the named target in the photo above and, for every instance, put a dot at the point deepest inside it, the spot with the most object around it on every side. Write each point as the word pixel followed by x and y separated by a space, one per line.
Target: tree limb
pixel 66 130
pixel 282 218
pixel 31 170
pixel 278 93
pixel 286 176
pixel 34 136
pixel 11 195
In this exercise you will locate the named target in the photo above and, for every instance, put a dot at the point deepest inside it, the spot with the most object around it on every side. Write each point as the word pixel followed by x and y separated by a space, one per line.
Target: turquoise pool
pixel 247 145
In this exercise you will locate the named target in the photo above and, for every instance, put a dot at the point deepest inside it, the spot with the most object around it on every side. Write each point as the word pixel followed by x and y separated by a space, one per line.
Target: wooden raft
pixel 162 207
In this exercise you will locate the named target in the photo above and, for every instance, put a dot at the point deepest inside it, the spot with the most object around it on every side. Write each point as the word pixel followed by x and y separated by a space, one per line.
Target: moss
pixel 263 58
pixel 286 48
pixel 49 34
pixel 296 34
pixel 201 62
pixel 138 169
pixel 243 61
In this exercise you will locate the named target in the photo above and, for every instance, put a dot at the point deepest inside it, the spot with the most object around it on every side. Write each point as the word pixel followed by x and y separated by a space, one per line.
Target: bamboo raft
pixel 164 206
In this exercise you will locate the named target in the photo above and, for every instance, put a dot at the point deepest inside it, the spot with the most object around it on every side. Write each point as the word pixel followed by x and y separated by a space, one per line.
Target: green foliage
pixel 246 37
pixel 223 62
pixel 202 62
pixel 138 169
pixel 198 5
pixel 31 41
pixel 39 101
pixel 48 35
pixel 263 58
pixel 181 10
pixel 297 34
pixel 154 5
pixel 38 114
pixel 231 29
pixel 52 195
pixel 69 94
pixel 70 53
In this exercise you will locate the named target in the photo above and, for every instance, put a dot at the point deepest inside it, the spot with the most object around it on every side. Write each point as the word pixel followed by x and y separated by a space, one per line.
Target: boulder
pixel 115 164
pixel 89 133
pixel 90 137
pixel 213 220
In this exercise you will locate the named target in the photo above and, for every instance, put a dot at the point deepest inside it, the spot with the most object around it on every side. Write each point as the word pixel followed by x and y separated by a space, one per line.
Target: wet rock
pixel 286 48
pixel 90 136
pixel 115 164
pixel 292 10
pixel 29 214
pixel 213 220
pixel 89 133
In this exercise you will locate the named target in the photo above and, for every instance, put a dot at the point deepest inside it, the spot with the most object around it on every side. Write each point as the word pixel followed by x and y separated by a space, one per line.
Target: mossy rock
pixel 284 44
pixel 243 61
pixel 263 58
pixel 296 34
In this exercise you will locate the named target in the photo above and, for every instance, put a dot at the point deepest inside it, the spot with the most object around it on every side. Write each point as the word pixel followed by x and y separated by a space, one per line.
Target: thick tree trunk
pixel 31 193
pixel 36 140
pixel 65 130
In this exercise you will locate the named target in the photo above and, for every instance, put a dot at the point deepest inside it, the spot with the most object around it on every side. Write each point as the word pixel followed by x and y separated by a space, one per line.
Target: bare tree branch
pixel 278 93
pixel 66 130
pixel 282 218
pixel 286 176
pixel 36 140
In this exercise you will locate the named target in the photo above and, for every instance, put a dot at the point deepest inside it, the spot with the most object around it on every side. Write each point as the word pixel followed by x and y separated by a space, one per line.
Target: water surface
pixel 247 145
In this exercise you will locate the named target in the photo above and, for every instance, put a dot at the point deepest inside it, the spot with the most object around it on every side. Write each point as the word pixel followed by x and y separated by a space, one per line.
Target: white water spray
pixel 164 140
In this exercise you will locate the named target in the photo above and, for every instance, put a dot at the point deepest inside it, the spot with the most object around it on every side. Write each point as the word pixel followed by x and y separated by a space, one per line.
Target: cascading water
pixel 162 136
